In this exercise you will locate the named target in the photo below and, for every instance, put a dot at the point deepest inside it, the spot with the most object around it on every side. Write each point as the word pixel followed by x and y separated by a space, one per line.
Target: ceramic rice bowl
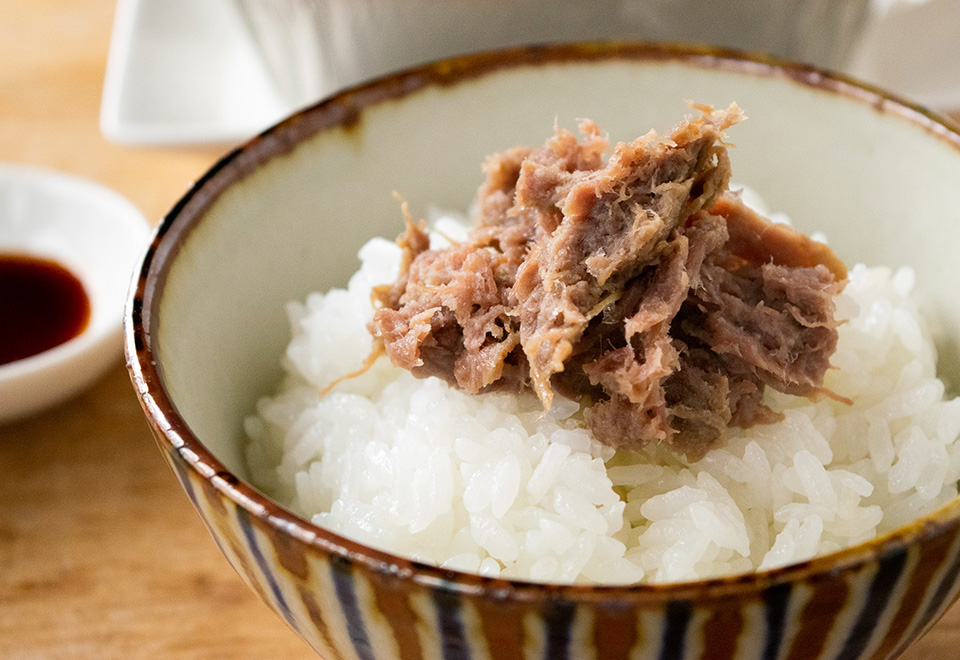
pixel 285 214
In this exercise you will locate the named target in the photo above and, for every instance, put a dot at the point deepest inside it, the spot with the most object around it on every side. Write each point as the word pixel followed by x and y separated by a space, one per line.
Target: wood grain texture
pixel 101 555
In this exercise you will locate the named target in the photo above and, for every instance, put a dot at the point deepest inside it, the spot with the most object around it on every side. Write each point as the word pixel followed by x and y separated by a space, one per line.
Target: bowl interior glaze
pixel 285 214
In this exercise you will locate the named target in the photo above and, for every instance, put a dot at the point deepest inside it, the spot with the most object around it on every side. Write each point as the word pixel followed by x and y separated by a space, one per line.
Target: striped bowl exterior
pixel 350 602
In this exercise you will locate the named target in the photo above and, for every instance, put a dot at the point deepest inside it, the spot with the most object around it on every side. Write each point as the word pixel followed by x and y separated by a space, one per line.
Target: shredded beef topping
pixel 639 285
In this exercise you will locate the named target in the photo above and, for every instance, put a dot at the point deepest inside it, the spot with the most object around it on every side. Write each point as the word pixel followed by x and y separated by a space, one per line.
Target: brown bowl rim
pixel 344 110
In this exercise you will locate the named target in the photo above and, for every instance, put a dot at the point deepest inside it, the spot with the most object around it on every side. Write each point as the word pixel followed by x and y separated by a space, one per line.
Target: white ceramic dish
pixel 182 72
pixel 98 236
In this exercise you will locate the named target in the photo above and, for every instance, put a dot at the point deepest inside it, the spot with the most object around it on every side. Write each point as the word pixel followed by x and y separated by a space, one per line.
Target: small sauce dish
pixel 50 220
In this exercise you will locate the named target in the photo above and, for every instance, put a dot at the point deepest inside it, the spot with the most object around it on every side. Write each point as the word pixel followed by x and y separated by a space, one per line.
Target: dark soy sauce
pixel 42 305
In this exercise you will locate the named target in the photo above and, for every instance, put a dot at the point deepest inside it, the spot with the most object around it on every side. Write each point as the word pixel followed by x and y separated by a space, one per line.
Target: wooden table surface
pixel 101 555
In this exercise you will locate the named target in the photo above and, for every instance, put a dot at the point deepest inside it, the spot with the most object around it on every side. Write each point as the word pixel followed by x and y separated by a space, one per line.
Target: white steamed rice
pixel 493 484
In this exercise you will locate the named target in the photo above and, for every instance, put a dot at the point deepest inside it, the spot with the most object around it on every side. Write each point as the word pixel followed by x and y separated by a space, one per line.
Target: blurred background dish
pixel 911 48
pixel 316 46
pixel 183 72
pixel 218 71
pixel 94 234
